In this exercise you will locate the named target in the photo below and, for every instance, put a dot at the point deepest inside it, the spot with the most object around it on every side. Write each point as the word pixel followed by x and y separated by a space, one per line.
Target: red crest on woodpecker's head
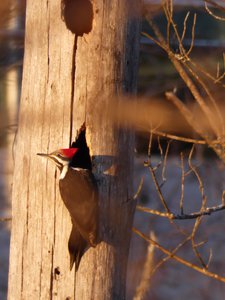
pixel 69 152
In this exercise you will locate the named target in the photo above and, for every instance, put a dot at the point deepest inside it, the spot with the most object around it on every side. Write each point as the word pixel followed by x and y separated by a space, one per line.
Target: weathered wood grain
pixel 106 65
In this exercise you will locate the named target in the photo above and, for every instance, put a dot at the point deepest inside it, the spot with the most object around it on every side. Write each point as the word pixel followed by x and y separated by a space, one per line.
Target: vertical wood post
pixel 54 104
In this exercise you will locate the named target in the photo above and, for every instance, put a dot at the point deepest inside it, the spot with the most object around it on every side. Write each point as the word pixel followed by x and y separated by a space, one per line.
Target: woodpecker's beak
pixel 46 155
pixel 43 154
pixel 51 157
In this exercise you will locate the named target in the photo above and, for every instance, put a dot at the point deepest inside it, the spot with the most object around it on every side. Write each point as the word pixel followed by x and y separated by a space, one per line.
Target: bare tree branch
pixel 182 184
pixel 208 211
pixel 157 186
pixel 221 8
pixel 139 189
pixel 179 259
pixel 207 122
pixel 178 138
pixel 165 259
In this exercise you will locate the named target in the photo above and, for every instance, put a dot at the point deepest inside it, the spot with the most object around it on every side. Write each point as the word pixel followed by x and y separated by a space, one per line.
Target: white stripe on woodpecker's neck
pixel 64 171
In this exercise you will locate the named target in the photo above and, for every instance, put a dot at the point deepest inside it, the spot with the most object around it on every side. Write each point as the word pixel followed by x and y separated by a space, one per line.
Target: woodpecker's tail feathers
pixel 77 246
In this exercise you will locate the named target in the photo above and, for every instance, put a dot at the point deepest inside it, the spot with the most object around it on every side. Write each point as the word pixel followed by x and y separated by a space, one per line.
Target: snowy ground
pixel 172 280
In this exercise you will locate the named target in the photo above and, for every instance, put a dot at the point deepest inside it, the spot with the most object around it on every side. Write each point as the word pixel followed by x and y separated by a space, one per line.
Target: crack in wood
pixel 73 86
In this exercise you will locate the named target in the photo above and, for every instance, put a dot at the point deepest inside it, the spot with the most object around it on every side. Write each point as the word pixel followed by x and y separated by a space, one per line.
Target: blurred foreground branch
pixel 5 219
pixel 147 271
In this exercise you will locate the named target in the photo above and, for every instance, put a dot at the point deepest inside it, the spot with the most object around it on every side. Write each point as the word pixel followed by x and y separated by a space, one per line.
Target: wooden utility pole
pixel 62 89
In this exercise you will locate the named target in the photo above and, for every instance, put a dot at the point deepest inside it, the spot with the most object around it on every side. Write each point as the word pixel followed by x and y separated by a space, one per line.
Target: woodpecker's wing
pixel 79 193
pixel 77 246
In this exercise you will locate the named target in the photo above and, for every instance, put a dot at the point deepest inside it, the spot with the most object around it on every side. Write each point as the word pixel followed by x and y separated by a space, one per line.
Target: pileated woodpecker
pixel 78 190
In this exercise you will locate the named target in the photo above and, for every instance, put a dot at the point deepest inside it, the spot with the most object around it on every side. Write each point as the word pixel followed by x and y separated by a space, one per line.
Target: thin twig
pixel 155 212
pixel 198 220
pixel 150 145
pixel 218 129
pixel 211 13
pixel 139 188
pixel 201 187
pixel 192 37
pixel 168 9
pixel 157 186
pixel 214 3
pixel 184 55
pixel 161 155
pixel 178 138
pixel 185 26
pixel 165 161
pixel 208 211
pixel 179 259
pixel 165 259
pixel 150 37
pixel 210 258
pixel 194 245
pixel 184 75
pixel 206 73
pixel 170 22
pixel 182 184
